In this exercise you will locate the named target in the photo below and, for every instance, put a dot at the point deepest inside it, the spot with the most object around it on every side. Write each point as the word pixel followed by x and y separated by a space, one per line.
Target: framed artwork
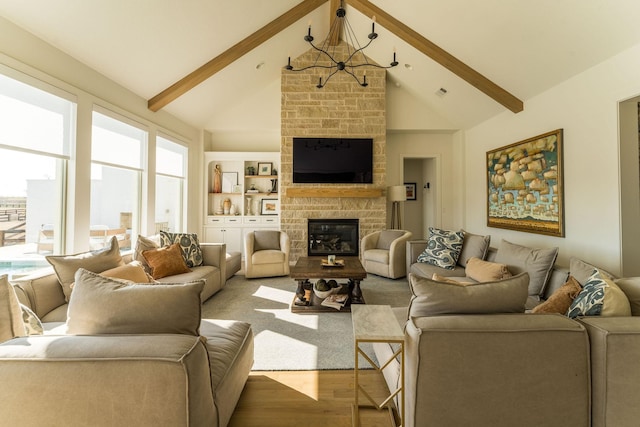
pixel 525 190
pixel 264 168
pixel 411 190
pixel 269 207
pixel 229 180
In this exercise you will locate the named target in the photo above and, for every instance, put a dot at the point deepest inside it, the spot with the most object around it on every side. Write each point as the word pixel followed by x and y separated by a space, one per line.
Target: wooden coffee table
pixel 312 268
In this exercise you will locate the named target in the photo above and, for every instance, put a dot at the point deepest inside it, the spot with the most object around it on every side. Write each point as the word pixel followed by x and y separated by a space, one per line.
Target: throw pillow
pixel 473 246
pixel 443 248
pixel 436 298
pixel 265 240
pixel 132 272
pixel 166 261
pixel 145 244
pixel 386 238
pixel 461 282
pixel 101 305
pixel 561 299
pixel 32 325
pixel 189 246
pixel 537 262
pixel 65 266
pixel 582 270
pixel 11 324
pixel 631 288
pixel 485 271
pixel 600 296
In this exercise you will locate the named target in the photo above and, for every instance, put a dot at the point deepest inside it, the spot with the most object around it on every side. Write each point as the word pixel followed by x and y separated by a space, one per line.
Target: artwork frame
pixel 229 180
pixel 410 187
pixel 525 185
pixel 265 168
pixel 269 207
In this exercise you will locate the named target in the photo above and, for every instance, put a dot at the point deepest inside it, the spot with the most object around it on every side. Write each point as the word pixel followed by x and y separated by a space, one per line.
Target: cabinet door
pixel 233 239
pixel 214 235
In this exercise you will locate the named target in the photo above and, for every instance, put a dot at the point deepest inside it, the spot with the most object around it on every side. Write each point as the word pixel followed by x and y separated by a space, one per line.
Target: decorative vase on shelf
pixel 226 206
pixel 248 205
pixel 219 210
pixel 232 209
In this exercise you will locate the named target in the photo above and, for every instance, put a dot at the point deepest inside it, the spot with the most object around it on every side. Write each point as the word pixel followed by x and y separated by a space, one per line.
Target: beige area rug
pixel 289 341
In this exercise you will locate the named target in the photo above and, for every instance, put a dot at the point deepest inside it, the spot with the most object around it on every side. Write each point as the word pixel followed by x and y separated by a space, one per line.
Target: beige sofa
pixel 521 369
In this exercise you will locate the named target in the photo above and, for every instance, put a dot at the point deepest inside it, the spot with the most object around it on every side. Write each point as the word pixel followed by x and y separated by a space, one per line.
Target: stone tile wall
pixel 341 109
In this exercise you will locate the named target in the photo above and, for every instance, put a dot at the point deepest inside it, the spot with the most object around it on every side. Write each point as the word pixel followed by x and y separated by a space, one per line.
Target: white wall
pixel 586 107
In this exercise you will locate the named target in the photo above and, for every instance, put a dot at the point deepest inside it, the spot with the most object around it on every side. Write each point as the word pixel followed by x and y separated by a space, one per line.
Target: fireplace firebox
pixel 333 237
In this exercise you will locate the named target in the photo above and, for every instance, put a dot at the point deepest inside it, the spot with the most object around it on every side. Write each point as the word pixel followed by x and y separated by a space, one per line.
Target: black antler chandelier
pixel 328 49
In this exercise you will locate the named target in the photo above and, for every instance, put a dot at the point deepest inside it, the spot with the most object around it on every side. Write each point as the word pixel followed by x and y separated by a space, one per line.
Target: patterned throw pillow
pixel 32 324
pixel 443 248
pixel 600 296
pixel 189 246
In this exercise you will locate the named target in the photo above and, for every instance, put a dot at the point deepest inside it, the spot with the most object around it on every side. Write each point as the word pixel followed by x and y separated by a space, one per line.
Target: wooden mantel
pixel 333 192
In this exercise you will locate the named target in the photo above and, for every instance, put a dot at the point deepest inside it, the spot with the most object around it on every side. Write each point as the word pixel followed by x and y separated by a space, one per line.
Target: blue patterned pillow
pixel 600 297
pixel 443 248
pixel 189 246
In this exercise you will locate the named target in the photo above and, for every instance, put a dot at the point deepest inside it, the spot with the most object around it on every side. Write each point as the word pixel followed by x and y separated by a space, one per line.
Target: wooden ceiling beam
pixel 439 55
pixel 233 53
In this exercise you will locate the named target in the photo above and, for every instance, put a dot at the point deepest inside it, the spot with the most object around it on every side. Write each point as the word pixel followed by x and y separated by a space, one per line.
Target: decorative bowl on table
pixel 322 289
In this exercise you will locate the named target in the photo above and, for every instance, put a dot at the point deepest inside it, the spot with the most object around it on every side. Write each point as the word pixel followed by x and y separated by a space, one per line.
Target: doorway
pixel 421 213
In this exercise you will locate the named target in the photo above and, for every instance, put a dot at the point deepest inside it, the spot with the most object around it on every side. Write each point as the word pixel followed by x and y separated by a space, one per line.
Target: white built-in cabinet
pixel 250 187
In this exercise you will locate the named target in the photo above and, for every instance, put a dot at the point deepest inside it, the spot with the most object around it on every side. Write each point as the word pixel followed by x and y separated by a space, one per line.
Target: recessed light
pixel 408 66
pixel 441 92
pixel 260 65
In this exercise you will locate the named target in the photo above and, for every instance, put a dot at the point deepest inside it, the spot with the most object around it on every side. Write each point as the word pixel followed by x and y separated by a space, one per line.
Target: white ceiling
pixel 524 46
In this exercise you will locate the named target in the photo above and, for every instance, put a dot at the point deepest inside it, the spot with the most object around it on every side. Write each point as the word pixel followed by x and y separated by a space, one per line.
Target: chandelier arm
pixel 323 51
pixel 359 50
pixel 329 76
pixel 352 75
pixel 313 66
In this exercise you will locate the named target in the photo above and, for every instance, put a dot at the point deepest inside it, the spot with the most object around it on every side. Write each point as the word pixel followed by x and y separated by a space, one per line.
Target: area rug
pixel 290 341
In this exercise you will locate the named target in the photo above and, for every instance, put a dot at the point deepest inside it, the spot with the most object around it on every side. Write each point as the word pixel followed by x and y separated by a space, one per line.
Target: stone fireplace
pixel 341 109
pixel 333 236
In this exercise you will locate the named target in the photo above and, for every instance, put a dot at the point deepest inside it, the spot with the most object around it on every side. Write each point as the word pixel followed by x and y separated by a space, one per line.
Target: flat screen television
pixel 332 160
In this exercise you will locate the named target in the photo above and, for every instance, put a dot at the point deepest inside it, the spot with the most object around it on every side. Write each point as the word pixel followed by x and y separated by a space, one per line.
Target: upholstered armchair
pixel 384 253
pixel 266 253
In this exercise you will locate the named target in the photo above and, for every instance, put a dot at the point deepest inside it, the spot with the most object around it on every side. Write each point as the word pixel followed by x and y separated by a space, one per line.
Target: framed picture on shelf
pixel 269 207
pixel 265 168
pixel 237 188
pixel 410 187
pixel 229 180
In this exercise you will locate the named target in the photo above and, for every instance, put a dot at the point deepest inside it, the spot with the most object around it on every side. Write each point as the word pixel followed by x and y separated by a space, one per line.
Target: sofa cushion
pixel 132 272
pixel 265 240
pixel 561 299
pixel 144 244
pixel 165 261
pixel 97 261
pixel 582 270
pixel 443 248
pixel 189 246
pixel 433 298
pixel 485 271
pixel 473 246
pixel 386 238
pixel 631 288
pixel 600 296
pixel 455 281
pixel 101 305
pixel 537 262
pixel 11 323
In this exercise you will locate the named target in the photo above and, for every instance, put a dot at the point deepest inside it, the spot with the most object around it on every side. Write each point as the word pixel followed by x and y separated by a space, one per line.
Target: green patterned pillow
pixel 600 296
pixel 189 246
pixel 443 248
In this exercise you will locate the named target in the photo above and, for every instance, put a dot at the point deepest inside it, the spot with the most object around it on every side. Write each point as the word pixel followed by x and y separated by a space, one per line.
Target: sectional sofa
pixel 475 357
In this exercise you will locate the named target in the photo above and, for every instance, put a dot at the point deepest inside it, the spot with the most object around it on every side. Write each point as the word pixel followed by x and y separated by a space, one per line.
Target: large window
pixel 171 166
pixel 36 132
pixel 117 154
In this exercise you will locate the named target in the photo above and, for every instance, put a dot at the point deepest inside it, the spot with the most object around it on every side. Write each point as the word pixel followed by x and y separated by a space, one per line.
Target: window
pixel 171 165
pixel 37 125
pixel 117 153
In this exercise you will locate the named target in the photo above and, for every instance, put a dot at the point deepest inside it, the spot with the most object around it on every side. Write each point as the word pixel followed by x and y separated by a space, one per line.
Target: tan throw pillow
pixel 439 278
pixel 145 244
pixel 98 261
pixel 485 271
pixel 11 323
pixel 130 272
pixel 631 288
pixel 166 261
pixel 101 305
pixel 561 299
pixel 433 298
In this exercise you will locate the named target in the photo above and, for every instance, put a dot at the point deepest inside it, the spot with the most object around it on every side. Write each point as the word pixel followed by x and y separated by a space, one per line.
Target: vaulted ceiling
pixel 524 47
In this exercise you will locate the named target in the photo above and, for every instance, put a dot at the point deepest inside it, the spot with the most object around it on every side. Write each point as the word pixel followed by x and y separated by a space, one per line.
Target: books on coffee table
pixel 336 301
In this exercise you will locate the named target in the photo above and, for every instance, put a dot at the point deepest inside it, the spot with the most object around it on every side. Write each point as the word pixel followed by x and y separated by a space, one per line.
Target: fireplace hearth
pixel 333 237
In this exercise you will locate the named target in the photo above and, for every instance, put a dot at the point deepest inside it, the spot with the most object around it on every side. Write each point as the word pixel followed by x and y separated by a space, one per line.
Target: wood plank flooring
pixel 308 398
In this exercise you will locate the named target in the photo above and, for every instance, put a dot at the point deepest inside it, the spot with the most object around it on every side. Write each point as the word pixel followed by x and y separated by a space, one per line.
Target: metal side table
pixel 376 323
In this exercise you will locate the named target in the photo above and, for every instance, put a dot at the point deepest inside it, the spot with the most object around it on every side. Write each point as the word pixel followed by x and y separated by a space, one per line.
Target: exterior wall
pixel 341 109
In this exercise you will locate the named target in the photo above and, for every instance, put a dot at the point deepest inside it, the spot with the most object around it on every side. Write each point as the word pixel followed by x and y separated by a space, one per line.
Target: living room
pixel 593 101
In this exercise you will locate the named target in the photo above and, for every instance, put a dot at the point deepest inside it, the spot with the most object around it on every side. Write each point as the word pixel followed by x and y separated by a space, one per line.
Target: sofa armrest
pixel 370 241
pixel 40 291
pixel 398 255
pixel 414 249
pixel 215 254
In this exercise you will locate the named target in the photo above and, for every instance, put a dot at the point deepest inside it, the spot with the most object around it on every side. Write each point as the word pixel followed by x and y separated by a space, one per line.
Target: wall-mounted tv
pixel 332 160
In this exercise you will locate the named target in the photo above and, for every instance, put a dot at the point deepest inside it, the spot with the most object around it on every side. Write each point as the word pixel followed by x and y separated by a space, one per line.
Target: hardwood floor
pixel 309 399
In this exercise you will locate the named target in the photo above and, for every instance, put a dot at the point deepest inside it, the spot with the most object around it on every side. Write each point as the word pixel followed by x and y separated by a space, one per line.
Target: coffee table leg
pixel 356 293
